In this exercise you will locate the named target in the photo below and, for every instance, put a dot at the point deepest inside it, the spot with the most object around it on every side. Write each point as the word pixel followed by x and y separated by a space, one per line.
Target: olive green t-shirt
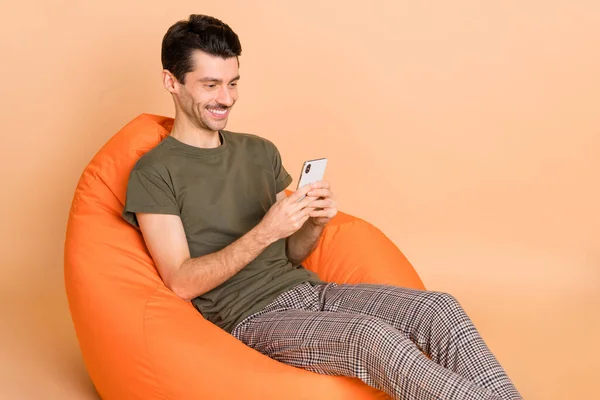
pixel 220 194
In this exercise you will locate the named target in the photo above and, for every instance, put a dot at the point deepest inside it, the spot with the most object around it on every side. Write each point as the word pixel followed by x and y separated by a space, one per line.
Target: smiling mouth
pixel 219 112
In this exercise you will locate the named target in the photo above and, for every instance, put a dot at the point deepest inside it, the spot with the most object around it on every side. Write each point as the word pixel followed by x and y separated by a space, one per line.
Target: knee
pixel 378 347
pixel 369 327
pixel 444 303
pixel 371 334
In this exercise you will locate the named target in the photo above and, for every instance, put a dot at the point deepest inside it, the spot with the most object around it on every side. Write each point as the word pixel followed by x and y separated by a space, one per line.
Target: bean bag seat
pixel 141 341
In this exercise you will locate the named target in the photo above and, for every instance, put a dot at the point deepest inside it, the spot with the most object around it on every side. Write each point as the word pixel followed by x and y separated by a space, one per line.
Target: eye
pixel 211 86
pixel 233 84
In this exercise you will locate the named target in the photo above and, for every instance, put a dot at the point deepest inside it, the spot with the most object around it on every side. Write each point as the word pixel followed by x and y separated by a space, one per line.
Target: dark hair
pixel 199 32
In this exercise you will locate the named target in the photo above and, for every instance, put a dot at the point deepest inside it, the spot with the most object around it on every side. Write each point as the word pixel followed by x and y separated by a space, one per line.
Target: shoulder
pixel 154 166
pixel 154 160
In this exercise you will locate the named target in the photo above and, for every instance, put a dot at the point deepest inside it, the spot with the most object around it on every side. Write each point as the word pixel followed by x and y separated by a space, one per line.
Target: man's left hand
pixel 324 207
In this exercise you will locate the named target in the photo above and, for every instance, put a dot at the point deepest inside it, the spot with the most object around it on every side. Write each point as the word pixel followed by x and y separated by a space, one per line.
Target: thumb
pixel 294 197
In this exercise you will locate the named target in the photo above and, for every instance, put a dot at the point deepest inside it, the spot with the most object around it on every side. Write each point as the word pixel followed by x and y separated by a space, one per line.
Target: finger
pixel 327 213
pixel 325 193
pixel 308 200
pixel 325 203
pixel 297 195
pixel 305 211
pixel 322 184
pixel 303 218
pixel 297 207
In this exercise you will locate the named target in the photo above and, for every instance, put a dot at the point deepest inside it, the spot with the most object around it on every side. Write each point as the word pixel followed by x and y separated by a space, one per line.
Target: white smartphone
pixel 312 171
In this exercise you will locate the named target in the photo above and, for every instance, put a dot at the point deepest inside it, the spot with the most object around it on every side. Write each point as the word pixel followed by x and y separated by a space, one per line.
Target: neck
pixel 189 133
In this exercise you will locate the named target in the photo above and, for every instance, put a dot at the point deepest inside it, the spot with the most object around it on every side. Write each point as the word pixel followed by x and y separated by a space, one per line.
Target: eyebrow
pixel 215 80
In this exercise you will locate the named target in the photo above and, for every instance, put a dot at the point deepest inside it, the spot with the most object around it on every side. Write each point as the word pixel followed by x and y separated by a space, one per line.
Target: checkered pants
pixel 411 344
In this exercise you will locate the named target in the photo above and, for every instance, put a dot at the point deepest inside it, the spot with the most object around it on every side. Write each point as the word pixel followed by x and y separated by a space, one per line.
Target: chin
pixel 219 126
pixel 214 125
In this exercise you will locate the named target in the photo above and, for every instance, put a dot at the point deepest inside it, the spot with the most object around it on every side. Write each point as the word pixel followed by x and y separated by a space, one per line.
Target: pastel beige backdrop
pixel 468 131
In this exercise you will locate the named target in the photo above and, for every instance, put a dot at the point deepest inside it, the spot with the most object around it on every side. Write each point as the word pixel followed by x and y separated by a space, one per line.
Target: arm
pixel 302 243
pixel 191 277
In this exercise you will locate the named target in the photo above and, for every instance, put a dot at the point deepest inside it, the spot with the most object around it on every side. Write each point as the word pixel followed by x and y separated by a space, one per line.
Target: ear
pixel 169 81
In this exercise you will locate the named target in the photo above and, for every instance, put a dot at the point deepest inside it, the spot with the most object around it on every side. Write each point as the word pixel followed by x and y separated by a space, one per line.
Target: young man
pixel 212 210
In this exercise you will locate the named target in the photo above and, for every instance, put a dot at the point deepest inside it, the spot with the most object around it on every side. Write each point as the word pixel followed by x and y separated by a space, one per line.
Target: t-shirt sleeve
pixel 148 192
pixel 282 177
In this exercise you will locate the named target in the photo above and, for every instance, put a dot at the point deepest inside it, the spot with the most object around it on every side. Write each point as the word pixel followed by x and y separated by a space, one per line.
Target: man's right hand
pixel 287 215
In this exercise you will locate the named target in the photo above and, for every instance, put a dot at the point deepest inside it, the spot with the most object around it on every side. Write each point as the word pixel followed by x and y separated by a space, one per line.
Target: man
pixel 212 210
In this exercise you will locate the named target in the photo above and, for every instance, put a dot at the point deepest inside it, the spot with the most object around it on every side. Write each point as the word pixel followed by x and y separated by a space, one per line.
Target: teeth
pixel 220 112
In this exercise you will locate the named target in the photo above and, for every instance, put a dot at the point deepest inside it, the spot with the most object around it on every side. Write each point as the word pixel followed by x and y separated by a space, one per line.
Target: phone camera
pixel 307 168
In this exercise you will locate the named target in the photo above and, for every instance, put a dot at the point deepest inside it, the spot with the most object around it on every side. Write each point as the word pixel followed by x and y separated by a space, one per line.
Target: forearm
pixel 303 242
pixel 199 275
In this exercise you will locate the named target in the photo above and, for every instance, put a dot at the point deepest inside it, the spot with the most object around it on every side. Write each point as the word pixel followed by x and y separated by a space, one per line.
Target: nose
pixel 225 97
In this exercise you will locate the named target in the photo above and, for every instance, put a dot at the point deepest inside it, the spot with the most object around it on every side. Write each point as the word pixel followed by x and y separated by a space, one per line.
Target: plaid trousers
pixel 411 344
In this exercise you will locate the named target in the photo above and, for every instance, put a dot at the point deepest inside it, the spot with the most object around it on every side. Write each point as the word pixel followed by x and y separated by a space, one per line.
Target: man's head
pixel 200 63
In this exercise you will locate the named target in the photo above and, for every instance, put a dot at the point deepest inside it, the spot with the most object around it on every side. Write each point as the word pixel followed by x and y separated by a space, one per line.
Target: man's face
pixel 210 91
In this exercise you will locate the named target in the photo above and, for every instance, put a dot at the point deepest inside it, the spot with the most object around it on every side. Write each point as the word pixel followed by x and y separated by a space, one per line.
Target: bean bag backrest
pixel 140 341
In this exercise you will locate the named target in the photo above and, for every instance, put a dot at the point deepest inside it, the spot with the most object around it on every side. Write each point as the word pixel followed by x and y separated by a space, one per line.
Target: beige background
pixel 468 131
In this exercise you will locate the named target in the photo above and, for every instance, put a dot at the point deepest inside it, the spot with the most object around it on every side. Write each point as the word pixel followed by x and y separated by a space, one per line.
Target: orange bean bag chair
pixel 141 341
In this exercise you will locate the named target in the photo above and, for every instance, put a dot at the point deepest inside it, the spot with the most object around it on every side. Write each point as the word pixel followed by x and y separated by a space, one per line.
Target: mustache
pixel 218 106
